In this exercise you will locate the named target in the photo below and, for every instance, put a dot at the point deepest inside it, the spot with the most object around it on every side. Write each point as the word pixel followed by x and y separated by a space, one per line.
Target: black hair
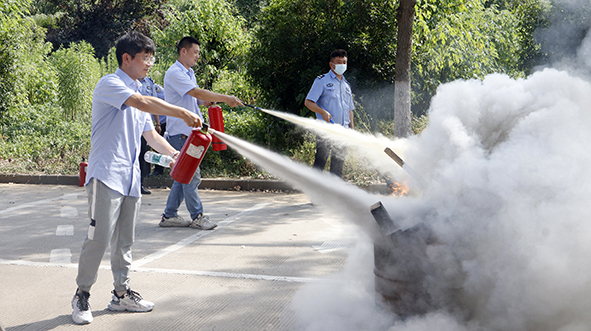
pixel 132 43
pixel 338 53
pixel 186 42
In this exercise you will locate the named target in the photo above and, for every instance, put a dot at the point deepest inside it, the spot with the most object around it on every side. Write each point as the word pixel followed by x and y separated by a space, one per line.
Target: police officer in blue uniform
pixel 149 87
pixel 332 100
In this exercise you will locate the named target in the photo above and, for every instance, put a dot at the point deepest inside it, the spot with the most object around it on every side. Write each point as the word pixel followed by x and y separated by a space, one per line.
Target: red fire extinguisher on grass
pixel 82 173
pixel 216 121
pixel 191 155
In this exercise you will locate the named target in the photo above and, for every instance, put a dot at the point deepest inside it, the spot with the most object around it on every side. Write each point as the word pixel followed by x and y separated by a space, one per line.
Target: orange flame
pixel 398 189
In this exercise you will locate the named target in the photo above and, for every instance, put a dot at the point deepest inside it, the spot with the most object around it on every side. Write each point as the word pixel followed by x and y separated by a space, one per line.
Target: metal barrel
pixel 400 266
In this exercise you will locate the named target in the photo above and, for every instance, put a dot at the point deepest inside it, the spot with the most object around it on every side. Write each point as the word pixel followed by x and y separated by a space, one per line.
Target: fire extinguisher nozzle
pixel 251 106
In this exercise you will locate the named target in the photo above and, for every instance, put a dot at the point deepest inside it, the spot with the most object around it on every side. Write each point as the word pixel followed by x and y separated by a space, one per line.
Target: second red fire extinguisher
pixel 216 121
pixel 82 173
pixel 191 155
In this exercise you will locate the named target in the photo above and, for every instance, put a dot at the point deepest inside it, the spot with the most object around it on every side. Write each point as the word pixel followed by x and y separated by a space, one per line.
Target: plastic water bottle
pixel 159 159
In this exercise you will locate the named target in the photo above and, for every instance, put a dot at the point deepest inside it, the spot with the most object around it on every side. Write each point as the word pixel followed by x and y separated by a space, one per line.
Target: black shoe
pixel 144 191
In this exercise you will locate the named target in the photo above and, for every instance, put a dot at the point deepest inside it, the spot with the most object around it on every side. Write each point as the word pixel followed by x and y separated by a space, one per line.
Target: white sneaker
pixel 81 313
pixel 176 221
pixel 202 222
pixel 130 301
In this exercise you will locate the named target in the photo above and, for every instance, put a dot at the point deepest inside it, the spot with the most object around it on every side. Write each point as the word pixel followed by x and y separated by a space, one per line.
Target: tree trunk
pixel 402 112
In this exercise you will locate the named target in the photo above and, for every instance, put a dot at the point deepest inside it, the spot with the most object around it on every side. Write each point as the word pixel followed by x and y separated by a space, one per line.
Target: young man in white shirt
pixel 120 117
pixel 181 89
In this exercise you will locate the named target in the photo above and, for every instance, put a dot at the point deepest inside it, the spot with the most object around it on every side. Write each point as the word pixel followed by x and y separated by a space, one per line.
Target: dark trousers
pixel 324 149
pixel 144 166
pixel 158 170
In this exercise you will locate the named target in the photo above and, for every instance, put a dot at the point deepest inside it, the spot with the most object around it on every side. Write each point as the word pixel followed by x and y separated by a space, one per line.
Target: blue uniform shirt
pixel 177 82
pixel 116 134
pixel 149 87
pixel 334 96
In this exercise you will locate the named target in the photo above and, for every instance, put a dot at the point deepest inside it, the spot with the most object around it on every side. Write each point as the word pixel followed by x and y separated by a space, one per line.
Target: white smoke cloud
pixel 511 183
pixel 508 202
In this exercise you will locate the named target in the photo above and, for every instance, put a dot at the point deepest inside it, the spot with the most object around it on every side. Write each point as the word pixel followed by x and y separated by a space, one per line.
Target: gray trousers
pixel 112 220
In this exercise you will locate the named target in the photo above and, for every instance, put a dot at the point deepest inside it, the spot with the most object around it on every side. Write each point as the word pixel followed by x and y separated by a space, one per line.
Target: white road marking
pixel 236 275
pixel 64 230
pixel 181 272
pixel 68 211
pixel 6 212
pixel 187 241
pixel 331 246
pixel 60 256
pixel 46 264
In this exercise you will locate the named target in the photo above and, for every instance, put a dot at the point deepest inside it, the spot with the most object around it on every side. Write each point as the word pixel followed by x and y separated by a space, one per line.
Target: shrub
pixel 36 139
pixel 22 54
pixel 78 72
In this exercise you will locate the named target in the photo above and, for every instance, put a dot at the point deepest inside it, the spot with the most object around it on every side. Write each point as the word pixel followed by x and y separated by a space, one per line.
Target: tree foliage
pixel 453 39
pixel 98 22
pixel 250 9
pixel 294 39
pixel 13 8
pixel 218 27
pixel 22 55
pixel 463 39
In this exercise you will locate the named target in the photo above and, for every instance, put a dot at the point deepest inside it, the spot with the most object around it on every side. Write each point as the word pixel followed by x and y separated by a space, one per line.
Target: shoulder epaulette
pixel 320 76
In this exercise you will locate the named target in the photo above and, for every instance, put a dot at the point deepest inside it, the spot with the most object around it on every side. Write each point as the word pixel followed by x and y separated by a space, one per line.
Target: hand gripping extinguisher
pixel 82 173
pixel 191 155
pixel 216 121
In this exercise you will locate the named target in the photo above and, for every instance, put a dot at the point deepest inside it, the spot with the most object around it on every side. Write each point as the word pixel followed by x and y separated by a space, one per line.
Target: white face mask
pixel 340 69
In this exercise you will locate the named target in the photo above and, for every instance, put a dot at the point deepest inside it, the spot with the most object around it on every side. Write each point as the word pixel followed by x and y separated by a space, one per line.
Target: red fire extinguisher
pixel 191 155
pixel 216 121
pixel 82 173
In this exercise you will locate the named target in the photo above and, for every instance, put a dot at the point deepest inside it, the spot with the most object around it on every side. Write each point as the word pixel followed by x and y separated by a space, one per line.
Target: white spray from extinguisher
pixel 368 147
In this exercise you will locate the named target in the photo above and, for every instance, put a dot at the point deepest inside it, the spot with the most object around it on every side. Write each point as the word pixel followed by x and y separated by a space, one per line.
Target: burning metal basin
pixel 400 265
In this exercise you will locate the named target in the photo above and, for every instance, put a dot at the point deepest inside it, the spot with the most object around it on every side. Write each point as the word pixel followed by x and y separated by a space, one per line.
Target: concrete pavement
pixel 241 276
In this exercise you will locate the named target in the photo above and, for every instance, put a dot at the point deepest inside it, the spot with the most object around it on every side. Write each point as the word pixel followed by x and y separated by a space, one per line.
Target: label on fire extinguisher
pixel 195 151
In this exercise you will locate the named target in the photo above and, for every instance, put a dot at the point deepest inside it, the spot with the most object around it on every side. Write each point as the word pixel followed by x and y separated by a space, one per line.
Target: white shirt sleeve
pixel 112 91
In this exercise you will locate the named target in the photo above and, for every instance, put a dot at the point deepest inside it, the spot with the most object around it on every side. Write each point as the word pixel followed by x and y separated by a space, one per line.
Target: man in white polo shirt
pixel 120 117
pixel 181 89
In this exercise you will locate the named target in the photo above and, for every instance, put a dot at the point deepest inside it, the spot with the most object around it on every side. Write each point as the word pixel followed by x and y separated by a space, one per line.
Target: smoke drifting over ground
pixel 507 162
